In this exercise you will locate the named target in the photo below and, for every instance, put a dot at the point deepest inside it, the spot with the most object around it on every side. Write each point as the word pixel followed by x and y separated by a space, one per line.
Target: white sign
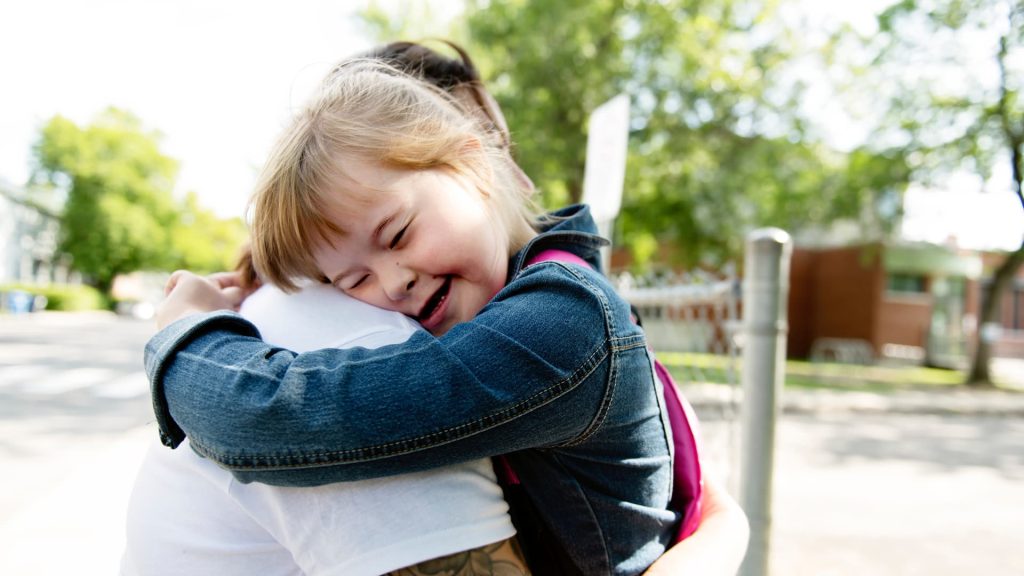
pixel 605 169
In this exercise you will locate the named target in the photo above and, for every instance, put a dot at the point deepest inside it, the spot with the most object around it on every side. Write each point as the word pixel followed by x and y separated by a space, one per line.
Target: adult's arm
pixel 505 557
pixel 495 385
pixel 717 547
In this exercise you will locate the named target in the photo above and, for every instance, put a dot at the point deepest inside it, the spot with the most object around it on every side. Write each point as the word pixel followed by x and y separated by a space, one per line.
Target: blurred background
pixel 885 137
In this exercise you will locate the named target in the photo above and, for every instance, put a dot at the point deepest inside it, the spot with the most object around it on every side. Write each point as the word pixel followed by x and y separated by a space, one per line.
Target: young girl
pixel 382 188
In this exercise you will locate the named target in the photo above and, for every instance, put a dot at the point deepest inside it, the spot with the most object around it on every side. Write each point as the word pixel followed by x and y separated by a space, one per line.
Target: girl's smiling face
pixel 420 242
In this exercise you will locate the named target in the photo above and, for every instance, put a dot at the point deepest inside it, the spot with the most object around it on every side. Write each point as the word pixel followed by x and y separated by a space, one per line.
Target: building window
pixel 906 284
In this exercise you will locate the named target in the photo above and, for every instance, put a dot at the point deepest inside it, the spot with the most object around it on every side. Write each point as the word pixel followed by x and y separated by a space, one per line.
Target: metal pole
pixel 765 293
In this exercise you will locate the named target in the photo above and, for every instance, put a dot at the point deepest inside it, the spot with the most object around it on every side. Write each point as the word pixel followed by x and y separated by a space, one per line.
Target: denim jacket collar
pixel 572 229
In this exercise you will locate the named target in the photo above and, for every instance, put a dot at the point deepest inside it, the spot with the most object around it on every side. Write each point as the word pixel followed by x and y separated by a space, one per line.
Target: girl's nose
pixel 399 282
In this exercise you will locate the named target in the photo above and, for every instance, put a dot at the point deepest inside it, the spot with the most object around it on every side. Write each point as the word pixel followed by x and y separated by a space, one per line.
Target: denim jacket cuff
pixel 160 352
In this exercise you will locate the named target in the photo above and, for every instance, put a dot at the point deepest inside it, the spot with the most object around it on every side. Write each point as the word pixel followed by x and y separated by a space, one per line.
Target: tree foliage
pixel 119 205
pixel 406 19
pixel 120 215
pixel 955 74
pixel 717 145
pixel 203 242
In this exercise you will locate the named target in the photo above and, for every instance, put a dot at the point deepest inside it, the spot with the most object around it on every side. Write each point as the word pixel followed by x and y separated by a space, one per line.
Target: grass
pixel 694 367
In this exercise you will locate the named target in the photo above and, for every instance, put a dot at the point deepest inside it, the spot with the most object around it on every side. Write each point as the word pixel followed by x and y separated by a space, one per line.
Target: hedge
pixel 63 297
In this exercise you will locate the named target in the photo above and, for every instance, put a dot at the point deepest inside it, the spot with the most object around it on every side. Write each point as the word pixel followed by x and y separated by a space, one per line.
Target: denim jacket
pixel 552 372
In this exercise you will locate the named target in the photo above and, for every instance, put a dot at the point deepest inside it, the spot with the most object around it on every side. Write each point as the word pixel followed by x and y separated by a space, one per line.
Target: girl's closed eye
pixel 398 237
pixel 357 283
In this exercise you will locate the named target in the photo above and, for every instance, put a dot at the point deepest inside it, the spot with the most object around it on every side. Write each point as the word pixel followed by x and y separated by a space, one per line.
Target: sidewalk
pixel 78 525
pixel 800 401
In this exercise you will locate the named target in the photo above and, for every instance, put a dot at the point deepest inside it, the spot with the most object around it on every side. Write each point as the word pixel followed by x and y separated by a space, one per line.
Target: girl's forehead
pixel 366 171
pixel 363 192
pixel 360 183
pixel 372 175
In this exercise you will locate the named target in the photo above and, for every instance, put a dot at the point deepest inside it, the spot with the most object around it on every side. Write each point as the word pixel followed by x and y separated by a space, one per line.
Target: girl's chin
pixel 444 326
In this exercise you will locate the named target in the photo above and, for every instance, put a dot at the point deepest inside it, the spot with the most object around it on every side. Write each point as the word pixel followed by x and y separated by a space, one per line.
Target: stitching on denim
pixel 407 446
pixel 609 326
pixel 603 409
pixel 606 401
pixel 628 343
pixel 594 289
pixel 617 344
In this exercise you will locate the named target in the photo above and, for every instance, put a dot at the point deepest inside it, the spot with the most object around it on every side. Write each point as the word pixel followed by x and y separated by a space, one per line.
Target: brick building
pixel 913 301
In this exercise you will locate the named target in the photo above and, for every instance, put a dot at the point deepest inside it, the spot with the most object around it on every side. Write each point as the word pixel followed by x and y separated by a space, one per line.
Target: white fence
pixel 690 313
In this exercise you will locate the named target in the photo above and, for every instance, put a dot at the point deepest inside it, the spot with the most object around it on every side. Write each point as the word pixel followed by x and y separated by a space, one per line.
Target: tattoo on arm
pixel 503 558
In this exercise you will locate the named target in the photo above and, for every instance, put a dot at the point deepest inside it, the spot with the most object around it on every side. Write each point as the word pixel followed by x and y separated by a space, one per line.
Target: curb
pixel 997 403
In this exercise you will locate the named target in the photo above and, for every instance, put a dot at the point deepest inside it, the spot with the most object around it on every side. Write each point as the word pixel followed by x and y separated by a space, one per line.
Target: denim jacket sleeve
pixel 531 370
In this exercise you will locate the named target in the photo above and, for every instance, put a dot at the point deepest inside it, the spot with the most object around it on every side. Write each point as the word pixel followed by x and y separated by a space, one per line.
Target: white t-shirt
pixel 188 516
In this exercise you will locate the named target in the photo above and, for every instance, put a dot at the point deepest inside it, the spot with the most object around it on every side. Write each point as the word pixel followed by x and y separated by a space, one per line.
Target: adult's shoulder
pixel 319 316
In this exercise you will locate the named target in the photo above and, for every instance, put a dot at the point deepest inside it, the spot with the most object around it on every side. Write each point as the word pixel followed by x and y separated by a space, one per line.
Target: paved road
pixel 74 404
pixel 856 493
pixel 898 495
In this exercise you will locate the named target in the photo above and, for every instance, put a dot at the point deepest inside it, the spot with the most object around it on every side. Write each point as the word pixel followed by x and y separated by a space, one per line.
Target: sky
pixel 219 79
pixel 962 211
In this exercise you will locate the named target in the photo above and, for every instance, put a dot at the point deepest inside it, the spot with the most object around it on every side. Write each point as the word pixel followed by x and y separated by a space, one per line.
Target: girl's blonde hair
pixel 368 110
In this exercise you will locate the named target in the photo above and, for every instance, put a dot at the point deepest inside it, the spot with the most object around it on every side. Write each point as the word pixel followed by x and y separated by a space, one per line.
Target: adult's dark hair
pixel 432 66
pixel 458 76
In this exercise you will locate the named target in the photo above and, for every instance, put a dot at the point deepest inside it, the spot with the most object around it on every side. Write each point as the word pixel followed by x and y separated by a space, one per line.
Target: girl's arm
pixel 531 370
pixel 718 545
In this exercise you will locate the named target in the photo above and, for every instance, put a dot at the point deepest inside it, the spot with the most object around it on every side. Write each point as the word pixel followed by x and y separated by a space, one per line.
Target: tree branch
pixel 1013 134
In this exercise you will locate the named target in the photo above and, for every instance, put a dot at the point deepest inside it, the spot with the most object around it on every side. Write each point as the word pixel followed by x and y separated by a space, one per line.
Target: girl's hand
pixel 235 284
pixel 187 293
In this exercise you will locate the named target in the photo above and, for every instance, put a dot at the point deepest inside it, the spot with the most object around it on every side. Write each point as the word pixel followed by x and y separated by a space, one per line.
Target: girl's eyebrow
pixel 337 278
pixel 383 224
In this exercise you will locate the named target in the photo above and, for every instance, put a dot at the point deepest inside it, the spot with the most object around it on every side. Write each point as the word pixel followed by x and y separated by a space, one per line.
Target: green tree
pixel 718 145
pixel 407 20
pixel 550 64
pixel 119 206
pixel 202 242
pixel 954 76
pixel 119 214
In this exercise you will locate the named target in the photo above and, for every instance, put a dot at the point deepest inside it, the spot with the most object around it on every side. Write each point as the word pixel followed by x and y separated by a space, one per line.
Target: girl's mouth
pixel 433 311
